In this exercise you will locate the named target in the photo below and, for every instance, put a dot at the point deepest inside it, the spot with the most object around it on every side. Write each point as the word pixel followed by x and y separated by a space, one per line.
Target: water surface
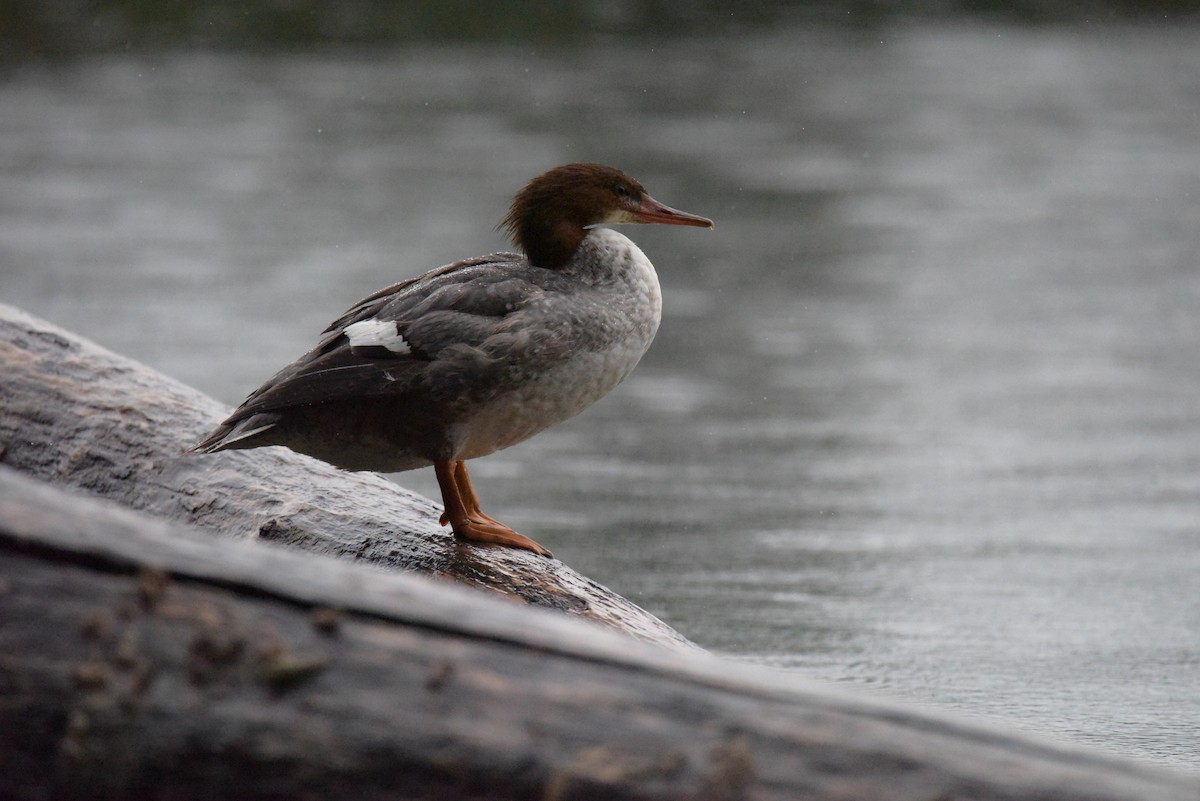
pixel 923 413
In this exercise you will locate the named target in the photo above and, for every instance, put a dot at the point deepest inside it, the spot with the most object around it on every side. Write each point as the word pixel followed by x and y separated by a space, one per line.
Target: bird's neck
pixel 550 243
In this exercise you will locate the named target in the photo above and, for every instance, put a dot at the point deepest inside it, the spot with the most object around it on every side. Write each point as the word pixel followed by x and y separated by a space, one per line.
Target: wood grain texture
pixel 73 413
pixel 142 659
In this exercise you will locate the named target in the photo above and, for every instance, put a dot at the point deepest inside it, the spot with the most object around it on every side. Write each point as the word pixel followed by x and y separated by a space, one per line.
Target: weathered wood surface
pixel 141 659
pixel 74 413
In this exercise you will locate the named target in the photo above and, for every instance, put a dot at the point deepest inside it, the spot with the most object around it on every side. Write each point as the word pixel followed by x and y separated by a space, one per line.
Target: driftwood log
pixel 144 658
pixel 141 659
pixel 76 414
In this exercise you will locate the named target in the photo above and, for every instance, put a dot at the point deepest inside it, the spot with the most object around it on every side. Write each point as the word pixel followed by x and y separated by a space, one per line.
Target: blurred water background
pixel 924 411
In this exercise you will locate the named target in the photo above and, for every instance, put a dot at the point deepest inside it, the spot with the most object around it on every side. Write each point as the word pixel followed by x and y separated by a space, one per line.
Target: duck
pixel 477 355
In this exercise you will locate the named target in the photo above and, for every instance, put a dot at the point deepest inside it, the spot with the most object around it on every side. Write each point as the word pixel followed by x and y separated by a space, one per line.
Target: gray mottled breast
pixel 580 344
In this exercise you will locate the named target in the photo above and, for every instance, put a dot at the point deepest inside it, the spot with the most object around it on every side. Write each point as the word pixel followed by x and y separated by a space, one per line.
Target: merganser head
pixel 550 216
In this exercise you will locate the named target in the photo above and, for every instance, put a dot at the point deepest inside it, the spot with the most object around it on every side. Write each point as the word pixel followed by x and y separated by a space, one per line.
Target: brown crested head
pixel 550 216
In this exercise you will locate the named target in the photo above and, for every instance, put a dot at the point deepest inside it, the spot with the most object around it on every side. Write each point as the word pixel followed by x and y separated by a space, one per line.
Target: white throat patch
pixel 616 217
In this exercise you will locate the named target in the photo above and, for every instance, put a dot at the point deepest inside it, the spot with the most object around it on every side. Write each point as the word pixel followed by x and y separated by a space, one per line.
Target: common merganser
pixel 477 355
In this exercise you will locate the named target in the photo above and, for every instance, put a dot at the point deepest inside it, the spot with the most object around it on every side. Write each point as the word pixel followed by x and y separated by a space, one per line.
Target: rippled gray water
pixel 924 412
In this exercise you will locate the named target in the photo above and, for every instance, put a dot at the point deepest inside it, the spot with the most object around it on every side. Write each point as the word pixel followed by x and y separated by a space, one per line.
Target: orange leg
pixel 465 517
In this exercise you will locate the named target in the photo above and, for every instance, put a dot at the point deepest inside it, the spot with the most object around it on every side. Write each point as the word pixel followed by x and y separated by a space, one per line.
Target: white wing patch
pixel 377 334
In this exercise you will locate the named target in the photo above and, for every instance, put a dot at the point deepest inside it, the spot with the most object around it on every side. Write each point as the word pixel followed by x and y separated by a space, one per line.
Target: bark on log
pixel 74 413
pixel 140 659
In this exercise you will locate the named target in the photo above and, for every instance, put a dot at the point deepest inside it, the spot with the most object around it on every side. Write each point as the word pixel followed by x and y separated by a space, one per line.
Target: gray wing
pixel 443 317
